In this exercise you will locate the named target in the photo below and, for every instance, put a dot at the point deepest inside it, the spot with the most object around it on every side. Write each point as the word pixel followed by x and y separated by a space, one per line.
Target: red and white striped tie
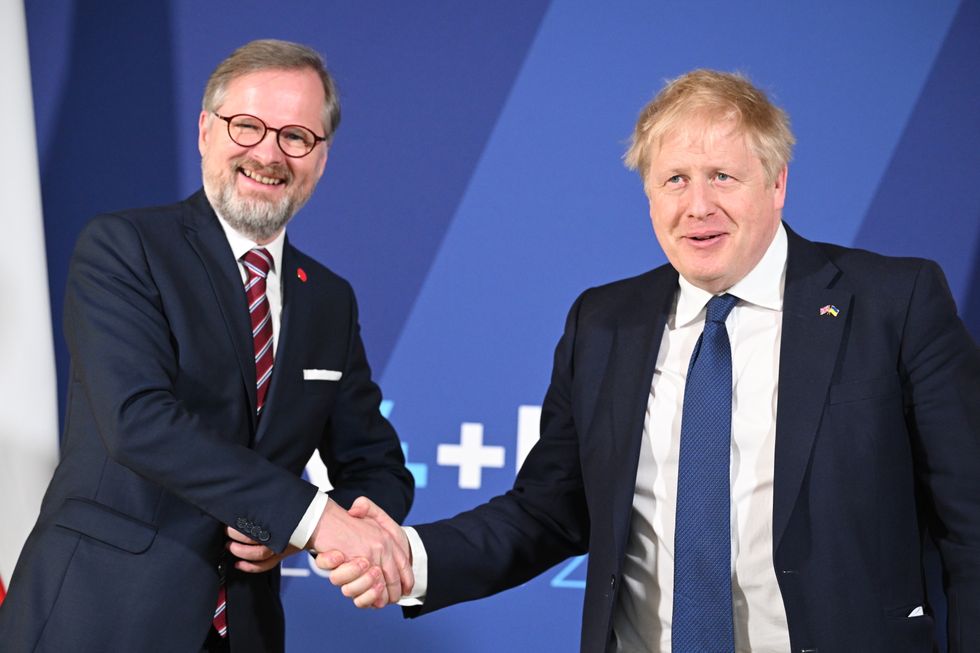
pixel 220 620
pixel 257 262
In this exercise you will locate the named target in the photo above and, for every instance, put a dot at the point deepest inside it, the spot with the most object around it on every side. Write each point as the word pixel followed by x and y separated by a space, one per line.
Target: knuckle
pixel 365 600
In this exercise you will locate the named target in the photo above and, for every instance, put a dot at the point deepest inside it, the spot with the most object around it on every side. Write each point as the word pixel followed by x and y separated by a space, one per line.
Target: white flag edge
pixel 28 385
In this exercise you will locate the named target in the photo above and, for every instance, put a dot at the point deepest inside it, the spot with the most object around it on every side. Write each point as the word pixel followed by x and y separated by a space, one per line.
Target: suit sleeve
pixel 942 365
pixel 124 360
pixel 360 448
pixel 541 521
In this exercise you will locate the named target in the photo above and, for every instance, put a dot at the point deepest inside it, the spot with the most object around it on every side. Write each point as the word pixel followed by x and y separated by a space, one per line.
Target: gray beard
pixel 256 219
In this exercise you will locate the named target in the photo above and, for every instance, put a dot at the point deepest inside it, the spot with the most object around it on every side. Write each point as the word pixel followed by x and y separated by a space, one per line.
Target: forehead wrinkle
pixel 697 139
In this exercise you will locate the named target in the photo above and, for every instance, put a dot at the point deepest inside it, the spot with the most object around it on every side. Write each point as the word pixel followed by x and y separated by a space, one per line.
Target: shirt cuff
pixel 420 569
pixel 304 530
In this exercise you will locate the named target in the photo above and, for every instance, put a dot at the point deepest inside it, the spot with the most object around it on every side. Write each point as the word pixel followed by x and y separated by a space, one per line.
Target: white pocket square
pixel 917 612
pixel 322 375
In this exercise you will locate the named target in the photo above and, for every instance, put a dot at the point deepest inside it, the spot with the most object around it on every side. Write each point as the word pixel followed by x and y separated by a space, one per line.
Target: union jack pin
pixel 301 274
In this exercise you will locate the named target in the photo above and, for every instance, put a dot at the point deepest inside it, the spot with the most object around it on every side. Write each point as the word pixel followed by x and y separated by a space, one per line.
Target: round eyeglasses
pixel 295 141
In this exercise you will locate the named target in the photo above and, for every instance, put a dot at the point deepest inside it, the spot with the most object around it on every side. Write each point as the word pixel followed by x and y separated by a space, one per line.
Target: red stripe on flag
pixel 3 592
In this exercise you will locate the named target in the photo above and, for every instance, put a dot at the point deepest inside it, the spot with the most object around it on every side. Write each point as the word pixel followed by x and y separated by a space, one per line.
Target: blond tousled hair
pixel 712 97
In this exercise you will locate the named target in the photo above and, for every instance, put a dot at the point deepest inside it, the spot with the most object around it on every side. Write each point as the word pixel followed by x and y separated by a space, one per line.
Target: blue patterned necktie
pixel 702 620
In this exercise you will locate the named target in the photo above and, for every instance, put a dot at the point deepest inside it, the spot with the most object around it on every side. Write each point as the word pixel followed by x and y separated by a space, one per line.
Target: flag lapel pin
pixel 830 310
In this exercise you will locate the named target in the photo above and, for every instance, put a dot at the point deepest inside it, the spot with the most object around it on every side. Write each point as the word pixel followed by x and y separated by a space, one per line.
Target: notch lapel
pixel 208 240
pixel 807 359
pixel 308 322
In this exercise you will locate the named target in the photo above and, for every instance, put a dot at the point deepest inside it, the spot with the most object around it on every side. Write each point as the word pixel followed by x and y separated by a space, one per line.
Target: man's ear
pixel 203 130
pixel 323 161
pixel 779 189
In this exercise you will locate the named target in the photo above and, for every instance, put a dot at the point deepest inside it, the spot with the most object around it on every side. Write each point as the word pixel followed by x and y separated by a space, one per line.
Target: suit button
pixel 264 536
pixel 241 523
pixel 222 570
pixel 612 582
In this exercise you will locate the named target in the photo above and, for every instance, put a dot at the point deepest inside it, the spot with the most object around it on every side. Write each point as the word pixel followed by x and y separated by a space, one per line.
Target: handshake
pixel 366 552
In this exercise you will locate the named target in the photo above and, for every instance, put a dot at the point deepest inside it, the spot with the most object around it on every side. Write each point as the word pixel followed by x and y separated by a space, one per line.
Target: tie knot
pixel 719 307
pixel 259 261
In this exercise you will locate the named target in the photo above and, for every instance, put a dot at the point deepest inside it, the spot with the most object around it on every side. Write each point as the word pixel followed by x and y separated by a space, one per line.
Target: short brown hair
pixel 272 54
pixel 715 96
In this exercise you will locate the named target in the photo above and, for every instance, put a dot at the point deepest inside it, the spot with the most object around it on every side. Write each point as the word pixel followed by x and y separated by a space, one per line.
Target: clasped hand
pixel 365 550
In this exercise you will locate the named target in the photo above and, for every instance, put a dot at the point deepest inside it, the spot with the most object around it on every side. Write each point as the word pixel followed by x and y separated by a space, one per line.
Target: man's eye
pixel 676 179
pixel 297 136
pixel 721 176
pixel 246 127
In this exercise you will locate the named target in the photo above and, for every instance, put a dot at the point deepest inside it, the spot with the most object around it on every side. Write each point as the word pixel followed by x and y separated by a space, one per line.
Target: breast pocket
pixel 321 382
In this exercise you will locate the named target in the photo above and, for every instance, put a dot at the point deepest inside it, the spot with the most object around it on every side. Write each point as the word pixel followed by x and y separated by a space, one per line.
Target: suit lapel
pixel 208 240
pixel 634 356
pixel 807 357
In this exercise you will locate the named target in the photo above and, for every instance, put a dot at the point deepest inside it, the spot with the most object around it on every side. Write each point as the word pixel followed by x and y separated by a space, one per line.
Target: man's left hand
pixel 252 556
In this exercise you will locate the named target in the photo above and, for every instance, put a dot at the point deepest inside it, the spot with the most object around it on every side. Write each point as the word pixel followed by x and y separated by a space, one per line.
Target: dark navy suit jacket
pixel 877 438
pixel 162 447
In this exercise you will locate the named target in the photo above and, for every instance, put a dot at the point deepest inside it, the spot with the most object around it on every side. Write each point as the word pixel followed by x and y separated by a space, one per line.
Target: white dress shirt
pixel 642 619
pixel 273 291
pixel 643 613
pixel 240 245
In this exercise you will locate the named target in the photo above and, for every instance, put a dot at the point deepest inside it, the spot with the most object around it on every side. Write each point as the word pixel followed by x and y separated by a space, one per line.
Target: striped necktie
pixel 257 263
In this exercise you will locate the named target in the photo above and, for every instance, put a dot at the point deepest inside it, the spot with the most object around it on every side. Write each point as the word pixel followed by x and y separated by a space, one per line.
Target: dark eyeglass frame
pixel 267 129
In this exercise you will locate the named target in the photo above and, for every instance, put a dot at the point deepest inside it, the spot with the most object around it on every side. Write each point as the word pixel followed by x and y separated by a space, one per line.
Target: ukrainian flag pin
pixel 830 310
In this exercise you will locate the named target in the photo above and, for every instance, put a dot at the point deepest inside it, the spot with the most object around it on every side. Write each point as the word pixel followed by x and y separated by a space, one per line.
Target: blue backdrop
pixel 476 187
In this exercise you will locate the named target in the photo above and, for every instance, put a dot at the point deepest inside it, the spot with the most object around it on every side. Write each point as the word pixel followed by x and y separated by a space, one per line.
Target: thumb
pixel 330 560
pixel 238 536
pixel 364 507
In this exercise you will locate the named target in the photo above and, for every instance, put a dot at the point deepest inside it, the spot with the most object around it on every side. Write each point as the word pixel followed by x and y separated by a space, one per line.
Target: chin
pixel 711 282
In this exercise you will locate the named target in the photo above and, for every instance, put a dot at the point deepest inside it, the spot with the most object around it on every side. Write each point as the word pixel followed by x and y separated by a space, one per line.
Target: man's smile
pixel 262 179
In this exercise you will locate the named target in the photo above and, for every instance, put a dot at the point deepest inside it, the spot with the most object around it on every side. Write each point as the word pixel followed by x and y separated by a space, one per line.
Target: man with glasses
pixel 210 359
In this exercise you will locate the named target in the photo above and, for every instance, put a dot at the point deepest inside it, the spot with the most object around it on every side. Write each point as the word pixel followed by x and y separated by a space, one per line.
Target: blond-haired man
pixel 750 441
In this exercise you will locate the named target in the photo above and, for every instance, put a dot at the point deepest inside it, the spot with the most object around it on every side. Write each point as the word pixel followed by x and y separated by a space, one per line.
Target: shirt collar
pixel 241 244
pixel 762 286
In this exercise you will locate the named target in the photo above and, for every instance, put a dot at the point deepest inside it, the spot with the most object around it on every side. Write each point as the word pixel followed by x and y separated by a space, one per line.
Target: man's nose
pixel 267 150
pixel 701 199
